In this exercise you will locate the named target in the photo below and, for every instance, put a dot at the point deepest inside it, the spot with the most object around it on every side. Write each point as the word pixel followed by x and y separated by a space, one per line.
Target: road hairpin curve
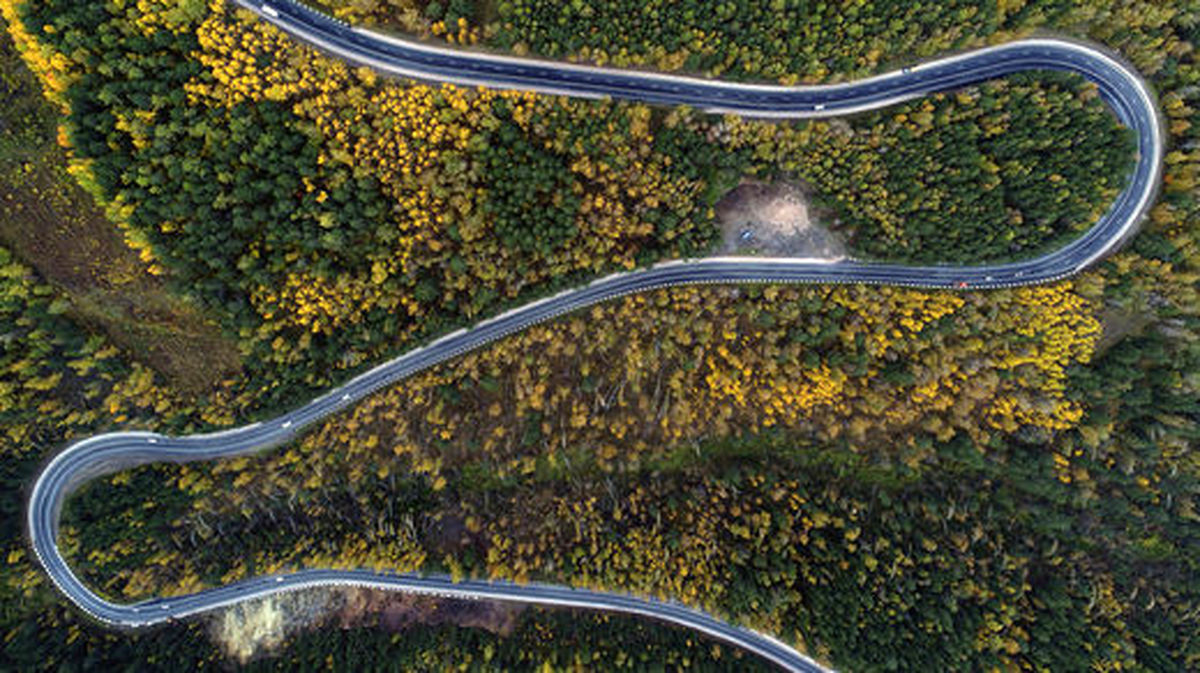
pixel 1118 84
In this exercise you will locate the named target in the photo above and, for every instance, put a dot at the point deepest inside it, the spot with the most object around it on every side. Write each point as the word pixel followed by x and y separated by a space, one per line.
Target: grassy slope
pixel 53 225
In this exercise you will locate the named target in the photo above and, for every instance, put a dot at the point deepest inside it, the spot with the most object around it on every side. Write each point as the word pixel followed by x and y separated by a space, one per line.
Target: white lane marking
pixel 1153 134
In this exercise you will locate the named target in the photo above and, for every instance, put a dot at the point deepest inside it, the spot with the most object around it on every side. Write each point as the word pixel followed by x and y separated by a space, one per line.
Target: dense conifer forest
pixel 205 222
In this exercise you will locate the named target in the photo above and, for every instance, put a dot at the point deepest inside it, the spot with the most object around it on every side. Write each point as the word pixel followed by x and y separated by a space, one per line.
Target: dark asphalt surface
pixel 1121 88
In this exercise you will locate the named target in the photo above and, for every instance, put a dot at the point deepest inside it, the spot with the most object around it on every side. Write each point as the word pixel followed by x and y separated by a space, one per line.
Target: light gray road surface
pixel 1121 88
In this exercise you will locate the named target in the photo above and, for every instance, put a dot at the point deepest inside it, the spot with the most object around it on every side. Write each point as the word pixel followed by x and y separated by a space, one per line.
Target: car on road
pixel 49 492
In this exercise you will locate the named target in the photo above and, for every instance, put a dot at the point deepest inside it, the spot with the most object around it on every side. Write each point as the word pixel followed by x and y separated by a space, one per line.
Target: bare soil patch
pixel 774 220
pixel 255 629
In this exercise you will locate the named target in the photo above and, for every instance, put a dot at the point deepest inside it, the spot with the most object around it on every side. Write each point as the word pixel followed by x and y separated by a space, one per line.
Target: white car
pixel 270 11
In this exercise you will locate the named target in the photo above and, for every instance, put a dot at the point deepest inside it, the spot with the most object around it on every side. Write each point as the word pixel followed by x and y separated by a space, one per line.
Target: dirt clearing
pixel 774 220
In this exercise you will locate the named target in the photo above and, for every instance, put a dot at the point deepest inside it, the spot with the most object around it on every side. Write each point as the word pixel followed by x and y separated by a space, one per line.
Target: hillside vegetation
pixel 885 477
pixel 334 218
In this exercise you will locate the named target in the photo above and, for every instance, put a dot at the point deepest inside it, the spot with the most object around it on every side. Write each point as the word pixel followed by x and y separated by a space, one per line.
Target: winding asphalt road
pixel 1121 88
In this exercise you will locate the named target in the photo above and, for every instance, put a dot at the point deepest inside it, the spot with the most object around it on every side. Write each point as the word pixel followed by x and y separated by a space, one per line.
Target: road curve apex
pixel 1119 85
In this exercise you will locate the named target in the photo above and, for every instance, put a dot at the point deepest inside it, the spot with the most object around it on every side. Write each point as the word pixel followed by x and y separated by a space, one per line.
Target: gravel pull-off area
pixel 773 220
